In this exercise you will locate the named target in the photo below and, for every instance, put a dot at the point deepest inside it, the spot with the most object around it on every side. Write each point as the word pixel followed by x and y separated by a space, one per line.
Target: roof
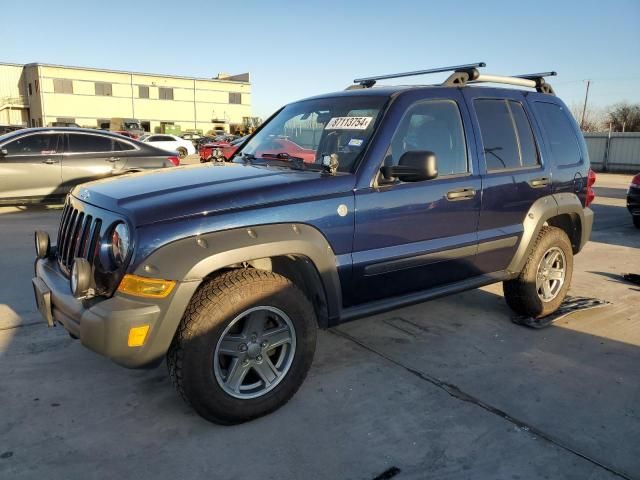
pixel 94 69
pixel 60 129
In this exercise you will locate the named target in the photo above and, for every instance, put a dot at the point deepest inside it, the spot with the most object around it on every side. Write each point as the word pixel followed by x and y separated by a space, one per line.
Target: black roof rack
pixel 469 73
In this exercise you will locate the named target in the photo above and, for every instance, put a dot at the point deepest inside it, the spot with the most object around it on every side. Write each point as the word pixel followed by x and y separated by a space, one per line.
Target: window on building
pixel 235 97
pixel 436 126
pixel 506 134
pixel 559 134
pixel 143 91
pixel 38 144
pixel 103 89
pixel 165 93
pixel 62 85
pixel 104 123
pixel 30 89
pixel 87 143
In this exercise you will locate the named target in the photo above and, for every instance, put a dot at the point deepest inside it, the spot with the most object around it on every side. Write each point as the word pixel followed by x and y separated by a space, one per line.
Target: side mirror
pixel 4 152
pixel 414 166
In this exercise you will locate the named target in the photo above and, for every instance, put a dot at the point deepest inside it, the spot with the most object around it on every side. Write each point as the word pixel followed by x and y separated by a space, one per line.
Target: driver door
pixel 413 236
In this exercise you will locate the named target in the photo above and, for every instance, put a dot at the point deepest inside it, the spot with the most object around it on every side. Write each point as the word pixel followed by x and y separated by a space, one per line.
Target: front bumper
pixel 103 324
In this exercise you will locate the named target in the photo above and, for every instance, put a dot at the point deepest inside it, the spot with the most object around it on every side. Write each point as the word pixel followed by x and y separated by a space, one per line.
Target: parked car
pixel 193 137
pixel 127 134
pixel 223 151
pixel 633 200
pixel 413 193
pixel 117 124
pixel 43 164
pixel 9 128
pixel 170 143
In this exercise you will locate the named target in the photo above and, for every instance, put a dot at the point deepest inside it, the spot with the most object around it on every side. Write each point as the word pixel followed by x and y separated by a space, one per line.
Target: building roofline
pixel 127 72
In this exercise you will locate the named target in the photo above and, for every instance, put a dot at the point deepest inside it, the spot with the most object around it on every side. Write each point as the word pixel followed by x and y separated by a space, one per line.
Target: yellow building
pixel 39 94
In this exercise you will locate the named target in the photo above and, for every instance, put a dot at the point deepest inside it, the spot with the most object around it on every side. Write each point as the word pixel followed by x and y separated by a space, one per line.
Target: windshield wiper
pixel 282 156
pixel 247 158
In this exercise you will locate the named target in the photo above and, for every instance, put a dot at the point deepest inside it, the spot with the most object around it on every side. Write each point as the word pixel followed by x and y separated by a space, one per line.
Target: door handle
pixel 50 161
pixel 539 182
pixel 112 159
pixel 461 194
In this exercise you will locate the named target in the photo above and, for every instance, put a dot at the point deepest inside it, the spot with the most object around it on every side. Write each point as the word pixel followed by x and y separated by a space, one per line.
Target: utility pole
pixel 584 108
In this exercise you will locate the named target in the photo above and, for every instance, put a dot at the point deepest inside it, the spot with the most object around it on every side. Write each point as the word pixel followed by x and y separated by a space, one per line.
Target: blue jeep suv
pixel 339 206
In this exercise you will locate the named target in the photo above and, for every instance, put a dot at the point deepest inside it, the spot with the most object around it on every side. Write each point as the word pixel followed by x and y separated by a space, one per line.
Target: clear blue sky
pixel 295 49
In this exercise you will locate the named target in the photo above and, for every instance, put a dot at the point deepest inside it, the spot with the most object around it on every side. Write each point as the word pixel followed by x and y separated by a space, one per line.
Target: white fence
pixel 615 152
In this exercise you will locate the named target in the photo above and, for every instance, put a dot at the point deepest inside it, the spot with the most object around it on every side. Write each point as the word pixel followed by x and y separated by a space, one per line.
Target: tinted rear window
pixel 90 143
pixel 559 133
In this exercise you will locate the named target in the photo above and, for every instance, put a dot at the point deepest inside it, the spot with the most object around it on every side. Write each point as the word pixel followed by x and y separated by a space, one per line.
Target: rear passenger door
pixel 512 171
pixel 89 156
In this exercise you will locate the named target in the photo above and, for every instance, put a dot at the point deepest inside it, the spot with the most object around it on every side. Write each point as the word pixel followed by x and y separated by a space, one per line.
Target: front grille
pixel 78 236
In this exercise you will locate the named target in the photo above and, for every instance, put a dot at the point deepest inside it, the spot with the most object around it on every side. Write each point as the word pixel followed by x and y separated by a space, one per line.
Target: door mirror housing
pixel 414 166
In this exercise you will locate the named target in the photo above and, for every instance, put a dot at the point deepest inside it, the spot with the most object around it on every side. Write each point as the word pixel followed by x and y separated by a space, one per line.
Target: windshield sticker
pixel 355 142
pixel 348 123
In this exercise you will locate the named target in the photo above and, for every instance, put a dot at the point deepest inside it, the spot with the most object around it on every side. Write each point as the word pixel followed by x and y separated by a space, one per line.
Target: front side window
pixel 435 126
pixel 39 144
pixel 81 143
pixel 317 132
pixel 103 89
pixel 507 138
pixel 559 134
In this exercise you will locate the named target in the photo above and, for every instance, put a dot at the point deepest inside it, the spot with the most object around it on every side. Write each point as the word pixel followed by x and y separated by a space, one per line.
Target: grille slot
pixel 77 237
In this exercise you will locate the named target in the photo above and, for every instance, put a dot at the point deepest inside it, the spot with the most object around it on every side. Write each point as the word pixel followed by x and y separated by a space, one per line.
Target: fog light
pixel 145 287
pixel 137 336
pixel 43 243
pixel 80 279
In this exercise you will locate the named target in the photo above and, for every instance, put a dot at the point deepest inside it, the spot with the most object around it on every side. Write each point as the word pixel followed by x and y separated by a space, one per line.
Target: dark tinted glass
pixel 436 126
pixel 122 146
pixel 44 144
pixel 528 150
pixel 90 143
pixel 559 133
pixel 498 135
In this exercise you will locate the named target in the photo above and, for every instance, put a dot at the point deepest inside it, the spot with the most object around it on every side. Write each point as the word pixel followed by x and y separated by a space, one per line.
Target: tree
pixel 594 119
pixel 624 117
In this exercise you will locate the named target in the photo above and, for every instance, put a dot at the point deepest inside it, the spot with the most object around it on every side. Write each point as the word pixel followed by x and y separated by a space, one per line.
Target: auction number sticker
pixel 348 123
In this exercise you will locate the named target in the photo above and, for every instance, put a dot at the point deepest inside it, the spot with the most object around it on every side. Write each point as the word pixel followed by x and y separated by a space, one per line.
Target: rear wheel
pixel 182 152
pixel 543 283
pixel 244 346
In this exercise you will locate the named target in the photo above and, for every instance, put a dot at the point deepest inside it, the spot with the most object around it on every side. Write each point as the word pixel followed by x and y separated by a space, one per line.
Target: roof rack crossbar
pixel 367 82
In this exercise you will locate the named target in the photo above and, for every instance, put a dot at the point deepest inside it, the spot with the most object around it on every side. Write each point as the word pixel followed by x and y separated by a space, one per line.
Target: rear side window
pixel 90 143
pixel 507 137
pixel 39 144
pixel 122 146
pixel 559 134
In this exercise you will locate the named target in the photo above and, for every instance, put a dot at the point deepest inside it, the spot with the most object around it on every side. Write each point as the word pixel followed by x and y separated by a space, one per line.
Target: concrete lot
pixel 446 389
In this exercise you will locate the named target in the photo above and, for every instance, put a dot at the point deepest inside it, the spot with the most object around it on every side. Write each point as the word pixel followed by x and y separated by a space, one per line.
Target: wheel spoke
pixel 237 372
pixel 254 324
pixel 277 336
pixel 230 345
pixel 551 259
pixel 555 274
pixel 266 371
pixel 546 288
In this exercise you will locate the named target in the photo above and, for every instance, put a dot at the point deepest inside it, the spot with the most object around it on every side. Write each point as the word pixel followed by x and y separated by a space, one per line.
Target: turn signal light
pixel 145 287
pixel 174 160
pixel 137 336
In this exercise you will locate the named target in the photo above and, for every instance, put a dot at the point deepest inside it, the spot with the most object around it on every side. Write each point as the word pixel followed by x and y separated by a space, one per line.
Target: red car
pixel 125 133
pixel 284 145
pixel 209 151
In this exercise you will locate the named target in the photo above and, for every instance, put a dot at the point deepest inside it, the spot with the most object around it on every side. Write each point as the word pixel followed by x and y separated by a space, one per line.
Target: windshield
pixel 318 131
pixel 132 126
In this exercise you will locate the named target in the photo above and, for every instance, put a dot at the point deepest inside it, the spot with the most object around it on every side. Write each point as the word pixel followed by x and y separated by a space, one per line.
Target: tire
pixel 523 294
pixel 636 220
pixel 221 308
pixel 182 152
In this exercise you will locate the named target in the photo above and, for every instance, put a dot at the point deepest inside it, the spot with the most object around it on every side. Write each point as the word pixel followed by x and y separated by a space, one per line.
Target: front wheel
pixel 244 346
pixel 543 283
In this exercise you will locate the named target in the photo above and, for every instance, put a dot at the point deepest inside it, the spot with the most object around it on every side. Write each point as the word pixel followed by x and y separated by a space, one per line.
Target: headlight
pixel 120 243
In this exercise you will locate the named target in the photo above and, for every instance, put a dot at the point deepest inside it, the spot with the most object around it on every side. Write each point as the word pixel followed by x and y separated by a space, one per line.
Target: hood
pixel 166 194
